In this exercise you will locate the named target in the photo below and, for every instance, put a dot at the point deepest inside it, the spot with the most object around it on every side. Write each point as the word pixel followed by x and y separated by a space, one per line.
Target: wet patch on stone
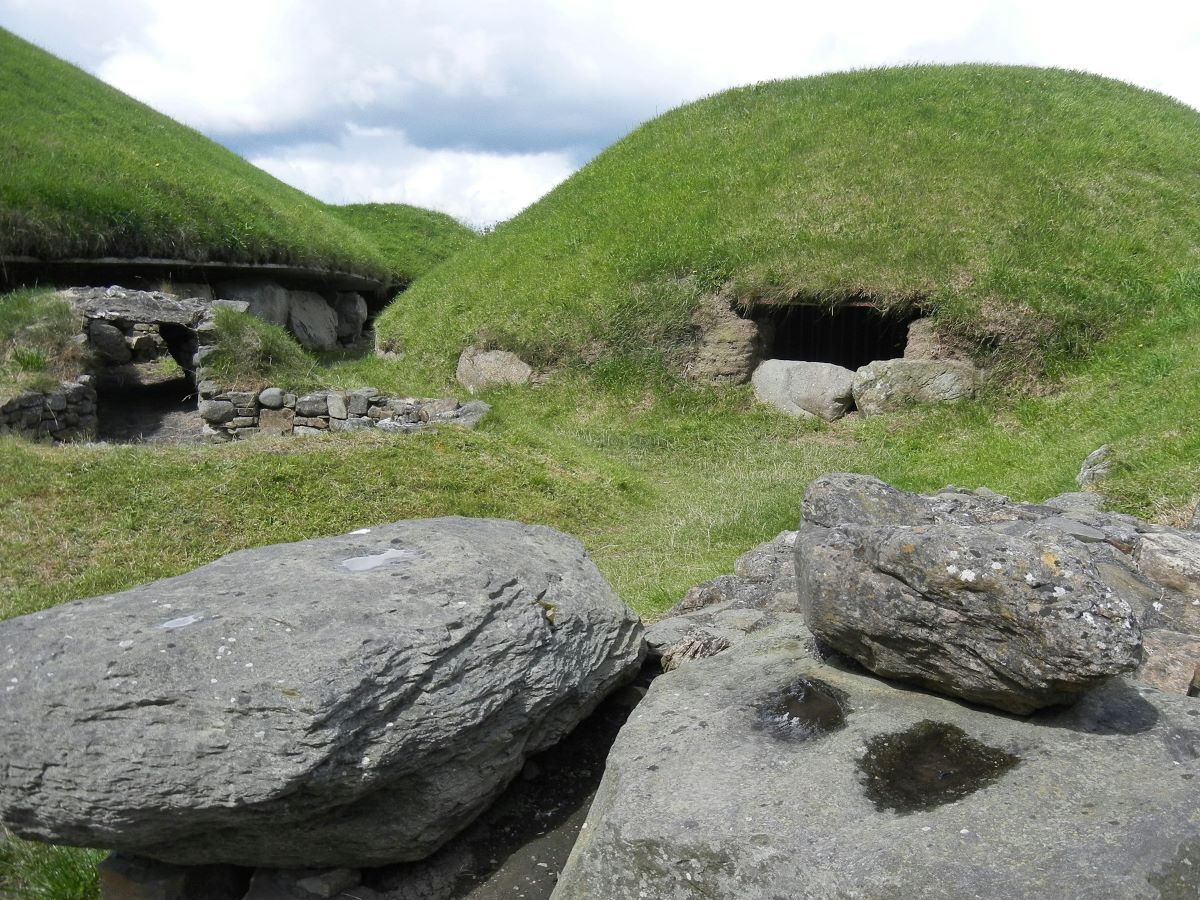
pixel 929 765
pixel 806 709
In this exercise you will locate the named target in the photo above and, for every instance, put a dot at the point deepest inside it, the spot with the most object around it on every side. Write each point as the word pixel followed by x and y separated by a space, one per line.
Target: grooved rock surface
pixel 345 701
pixel 480 369
pixel 713 791
pixel 804 389
pixel 892 384
pixel 959 596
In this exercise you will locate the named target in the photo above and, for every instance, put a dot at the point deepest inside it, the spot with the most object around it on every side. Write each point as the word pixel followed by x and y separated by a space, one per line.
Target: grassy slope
pixel 1049 204
pixel 412 240
pixel 87 171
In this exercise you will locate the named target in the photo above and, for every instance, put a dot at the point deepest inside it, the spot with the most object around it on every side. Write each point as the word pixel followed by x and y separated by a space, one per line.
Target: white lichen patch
pixel 951 570
pixel 967 575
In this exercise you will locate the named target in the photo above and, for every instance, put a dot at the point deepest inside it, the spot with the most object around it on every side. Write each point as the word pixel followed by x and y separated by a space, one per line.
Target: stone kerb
pixel 230 414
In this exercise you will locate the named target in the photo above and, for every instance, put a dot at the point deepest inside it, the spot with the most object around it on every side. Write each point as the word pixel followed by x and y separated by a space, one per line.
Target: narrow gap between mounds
pixel 518 847
pixel 850 334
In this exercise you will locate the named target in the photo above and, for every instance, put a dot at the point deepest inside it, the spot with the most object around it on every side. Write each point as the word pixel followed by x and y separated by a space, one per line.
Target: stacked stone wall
pixel 232 414
pixel 67 413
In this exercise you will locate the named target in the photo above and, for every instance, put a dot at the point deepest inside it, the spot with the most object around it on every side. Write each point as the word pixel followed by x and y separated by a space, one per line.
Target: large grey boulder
pixel 344 701
pixel 109 342
pixel 769 772
pixel 125 305
pixel 892 384
pixel 352 314
pixel 482 369
pixel 312 320
pixel 804 389
pixel 1013 614
pixel 267 300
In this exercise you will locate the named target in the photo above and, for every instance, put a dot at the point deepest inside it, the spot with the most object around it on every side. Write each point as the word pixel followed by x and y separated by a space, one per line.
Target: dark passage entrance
pixel 143 403
pixel 852 335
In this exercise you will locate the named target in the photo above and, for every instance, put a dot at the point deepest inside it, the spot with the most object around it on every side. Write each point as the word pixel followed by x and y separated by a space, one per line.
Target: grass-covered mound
pixel 412 240
pixel 37 342
pixel 1038 209
pixel 87 172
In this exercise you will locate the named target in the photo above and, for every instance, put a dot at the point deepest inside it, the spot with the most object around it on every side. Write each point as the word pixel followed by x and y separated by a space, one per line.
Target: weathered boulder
pixel 1007 613
pixel 892 384
pixel 312 321
pixel 345 701
pixel 267 300
pixel 804 389
pixel 481 369
pixel 1171 559
pixel 352 314
pixel 768 772
pixel 1095 467
pixel 109 343
pixel 729 345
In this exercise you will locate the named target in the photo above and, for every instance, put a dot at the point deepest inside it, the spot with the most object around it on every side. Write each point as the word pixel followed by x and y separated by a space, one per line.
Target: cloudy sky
pixel 478 107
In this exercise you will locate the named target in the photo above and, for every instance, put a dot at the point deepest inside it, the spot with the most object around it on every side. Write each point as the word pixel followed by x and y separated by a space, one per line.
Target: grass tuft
pixel 252 354
pixel 35 871
pixel 37 342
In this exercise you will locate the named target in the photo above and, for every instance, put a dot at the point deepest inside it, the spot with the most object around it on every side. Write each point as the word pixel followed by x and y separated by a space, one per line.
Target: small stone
pixel 216 412
pixel 271 398
pixel 109 342
pixel 359 401
pixel 243 422
pixel 1095 467
pixel 353 423
pixel 275 421
pixel 480 369
pixel 306 431
pixel 242 398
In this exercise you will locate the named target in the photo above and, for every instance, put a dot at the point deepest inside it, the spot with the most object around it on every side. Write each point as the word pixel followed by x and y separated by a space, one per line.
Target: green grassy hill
pixel 86 171
pixel 1035 210
pixel 412 240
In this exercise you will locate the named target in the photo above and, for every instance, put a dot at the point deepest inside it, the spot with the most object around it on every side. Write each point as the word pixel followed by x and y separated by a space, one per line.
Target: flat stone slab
pixel 344 701
pixel 731 781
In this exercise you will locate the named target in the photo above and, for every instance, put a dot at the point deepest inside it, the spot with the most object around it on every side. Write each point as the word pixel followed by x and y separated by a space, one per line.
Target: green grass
pixel 86 171
pixel 1035 211
pixel 411 239
pixel 37 347
pixel 33 871
pixel 253 354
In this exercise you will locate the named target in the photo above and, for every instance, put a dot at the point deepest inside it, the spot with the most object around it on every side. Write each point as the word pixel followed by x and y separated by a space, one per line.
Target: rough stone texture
pixel 121 305
pixel 109 343
pixel 1171 660
pixel 892 384
pixel 336 403
pixel 923 342
pixel 1095 467
pixel 267 300
pixel 351 311
pixel 719 613
pixel 275 421
pixel 1172 559
pixel 312 405
pixel 729 346
pixel 68 413
pixel 1012 618
pixel 312 320
pixel 481 369
pixel 699 799
pixel 304 884
pixel 804 389
pixel 345 701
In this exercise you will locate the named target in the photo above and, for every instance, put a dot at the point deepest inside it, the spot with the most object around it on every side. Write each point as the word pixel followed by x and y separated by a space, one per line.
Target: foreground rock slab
pixel 346 701
pixel 769 772
pixel 1010 613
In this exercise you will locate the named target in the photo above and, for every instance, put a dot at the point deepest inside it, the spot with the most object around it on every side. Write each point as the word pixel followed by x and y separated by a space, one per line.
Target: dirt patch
pixel 146 403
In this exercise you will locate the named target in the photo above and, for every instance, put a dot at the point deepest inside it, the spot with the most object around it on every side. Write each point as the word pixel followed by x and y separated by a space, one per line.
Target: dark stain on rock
pixel 1180 878
pixel 927 766
pixel 807 708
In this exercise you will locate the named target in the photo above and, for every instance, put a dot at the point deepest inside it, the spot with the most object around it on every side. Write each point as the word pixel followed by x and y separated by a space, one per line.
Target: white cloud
pixel 380 165
pixel 496 97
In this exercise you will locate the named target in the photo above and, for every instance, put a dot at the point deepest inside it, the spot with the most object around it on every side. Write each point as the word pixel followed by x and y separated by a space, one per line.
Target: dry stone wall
pixel 68 413
pixel 232 414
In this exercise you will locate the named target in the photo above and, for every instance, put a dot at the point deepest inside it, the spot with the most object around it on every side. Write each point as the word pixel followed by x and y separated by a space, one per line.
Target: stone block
pixel 275 421
pixel 216 412
pixel 312 320
pixel 271 398
pixel 243 422
pixel 307 431
pixel 265 300
pixel 336 403
pixel 242 398
pixel 312 405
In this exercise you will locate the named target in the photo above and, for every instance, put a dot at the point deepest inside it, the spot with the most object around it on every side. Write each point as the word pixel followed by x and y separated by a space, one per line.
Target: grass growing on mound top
pixel 37 342
pixel 1040 210
pixel 86 171
pixel 411 239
